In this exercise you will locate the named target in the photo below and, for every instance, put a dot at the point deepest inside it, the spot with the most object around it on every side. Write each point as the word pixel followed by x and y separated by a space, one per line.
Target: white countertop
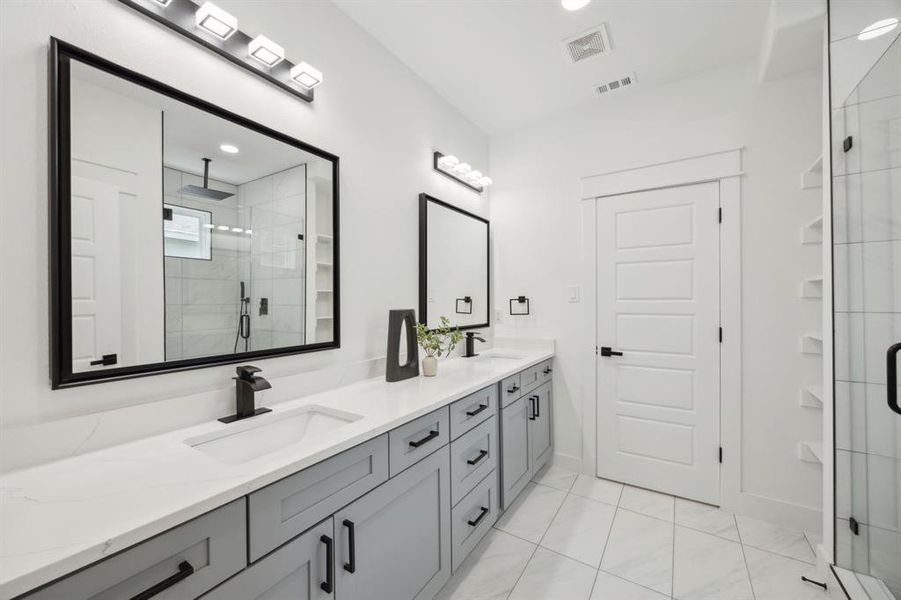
pixel 61 516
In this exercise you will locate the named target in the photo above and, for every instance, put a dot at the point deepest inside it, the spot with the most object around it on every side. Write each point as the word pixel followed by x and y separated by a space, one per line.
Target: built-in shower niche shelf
pixel 811 397
pixel 812 343
pixel 812 288
pixel 812 233
pixel 813 176
pixel 811 452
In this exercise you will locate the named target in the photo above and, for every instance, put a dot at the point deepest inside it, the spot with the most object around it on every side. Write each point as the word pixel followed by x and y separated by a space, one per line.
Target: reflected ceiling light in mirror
pixel 461 172
pixel 209 225
pixel 237 229
pixel 877 29
pixel 306 75
pixel 266 51
pixel 574 4
pixel 163 2
pixel 223 228
pixel 229 148
pixel 216 21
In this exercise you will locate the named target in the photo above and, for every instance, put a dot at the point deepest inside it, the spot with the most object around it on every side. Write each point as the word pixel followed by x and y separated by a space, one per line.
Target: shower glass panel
pixel 866 213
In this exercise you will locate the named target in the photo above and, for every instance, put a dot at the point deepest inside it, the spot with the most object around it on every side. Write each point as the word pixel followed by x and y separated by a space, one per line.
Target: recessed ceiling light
pixel 229 148
pixel 574 4
pixel 266 51
pixel 878 28
pixel 306 75
pixel 216 21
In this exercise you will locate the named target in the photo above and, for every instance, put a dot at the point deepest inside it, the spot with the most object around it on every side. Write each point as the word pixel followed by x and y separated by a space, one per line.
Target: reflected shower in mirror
pixel 453 265
pixel 194 235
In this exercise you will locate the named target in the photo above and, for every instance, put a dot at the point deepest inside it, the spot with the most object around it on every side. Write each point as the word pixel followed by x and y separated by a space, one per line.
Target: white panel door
pixel 658 303
pixel 96 273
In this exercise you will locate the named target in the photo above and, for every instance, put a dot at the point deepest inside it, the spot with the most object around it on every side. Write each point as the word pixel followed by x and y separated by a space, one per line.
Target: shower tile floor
pixel 574 537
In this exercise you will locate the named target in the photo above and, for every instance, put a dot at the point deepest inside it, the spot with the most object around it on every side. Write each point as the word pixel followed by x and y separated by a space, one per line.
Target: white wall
pixel 382 121
pixel 536 217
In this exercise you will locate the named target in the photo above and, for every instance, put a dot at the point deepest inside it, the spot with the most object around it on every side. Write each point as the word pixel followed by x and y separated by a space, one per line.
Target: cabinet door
pixel 540 428
pixel 394 542
pixel 516 465
pixel 296 571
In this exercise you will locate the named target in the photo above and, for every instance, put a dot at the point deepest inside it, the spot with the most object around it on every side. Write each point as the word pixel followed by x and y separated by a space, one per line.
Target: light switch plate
pixel 574 293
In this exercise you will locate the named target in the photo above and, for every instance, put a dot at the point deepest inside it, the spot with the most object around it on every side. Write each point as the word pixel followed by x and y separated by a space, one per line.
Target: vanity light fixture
pixel 306 75
pixel 266 51
pixel 451 166
pixel 216 21
pixel 217 30
pixel 229 148
pixel 877 29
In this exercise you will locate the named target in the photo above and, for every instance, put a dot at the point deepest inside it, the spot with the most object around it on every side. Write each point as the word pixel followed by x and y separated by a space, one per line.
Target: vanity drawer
pixel 473 456
pixel 546 371
pixel 213 545
pixel 472 518
pixel 511 389
pixel 468 412
pixel 530 378
pixel 288 507
pixel 417 439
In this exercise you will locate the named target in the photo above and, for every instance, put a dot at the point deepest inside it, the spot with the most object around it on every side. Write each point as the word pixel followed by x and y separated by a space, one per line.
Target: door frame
pixel 722 167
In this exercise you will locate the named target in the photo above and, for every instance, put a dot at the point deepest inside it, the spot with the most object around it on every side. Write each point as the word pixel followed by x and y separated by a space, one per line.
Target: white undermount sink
pixel 497 356
pixel 249 439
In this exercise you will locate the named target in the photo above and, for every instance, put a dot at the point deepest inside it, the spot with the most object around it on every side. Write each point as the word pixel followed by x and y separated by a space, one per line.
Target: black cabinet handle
pixel 472 413
pixel 537 407
pixel 475 522
pixel 328 586
pixel 607 351
pixel 351 565
pixel 432 435
pixel 185 570
pixel 547 370
pixel 513 390
pixel 531 408
pixel 891 377
pixel 477 459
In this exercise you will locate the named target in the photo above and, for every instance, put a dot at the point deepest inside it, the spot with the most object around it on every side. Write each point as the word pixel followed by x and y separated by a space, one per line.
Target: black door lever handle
pixel 607 351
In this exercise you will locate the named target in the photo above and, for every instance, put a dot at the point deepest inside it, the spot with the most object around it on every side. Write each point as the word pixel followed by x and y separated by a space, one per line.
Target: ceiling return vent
pixel 594 42
pixel 616 84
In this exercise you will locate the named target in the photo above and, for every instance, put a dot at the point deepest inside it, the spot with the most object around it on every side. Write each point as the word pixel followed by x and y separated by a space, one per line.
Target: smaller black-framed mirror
pixel 182 235
pixel 454 266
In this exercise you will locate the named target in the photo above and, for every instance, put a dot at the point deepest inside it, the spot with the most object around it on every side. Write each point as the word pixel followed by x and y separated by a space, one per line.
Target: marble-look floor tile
pixel 707 567
pixel 611 587
pixel 646 502
pixel 550 576
pixel 555 477
pixel 640 549
pixel 580 529
pixel 776 577
pixel 774 538
pixel 602 490
pixel 706 518
pixel 532 512
pixel 491 571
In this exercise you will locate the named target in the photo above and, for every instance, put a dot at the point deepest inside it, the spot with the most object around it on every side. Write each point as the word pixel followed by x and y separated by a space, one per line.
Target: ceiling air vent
pixel 616 84
pixel 583 46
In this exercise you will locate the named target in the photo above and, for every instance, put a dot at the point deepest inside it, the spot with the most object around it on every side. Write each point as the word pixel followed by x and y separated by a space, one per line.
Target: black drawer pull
pixel 475 522
pixel 351 565
pixel 513 390
pixel 328 585
pixel 547 370
pixel 185 570
pixel 477 459
pixel 472 413
pixel 432 435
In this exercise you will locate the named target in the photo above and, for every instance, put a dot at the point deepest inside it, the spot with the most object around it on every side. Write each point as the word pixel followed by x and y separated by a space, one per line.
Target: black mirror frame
pixel 59 186
pixel 424 200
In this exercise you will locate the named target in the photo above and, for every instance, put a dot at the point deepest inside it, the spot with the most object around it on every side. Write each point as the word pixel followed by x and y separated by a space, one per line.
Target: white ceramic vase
pixel 429 366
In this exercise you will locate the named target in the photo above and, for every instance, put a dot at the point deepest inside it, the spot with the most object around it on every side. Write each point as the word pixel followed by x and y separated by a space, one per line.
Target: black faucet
pixel 246 386
pixel 471 336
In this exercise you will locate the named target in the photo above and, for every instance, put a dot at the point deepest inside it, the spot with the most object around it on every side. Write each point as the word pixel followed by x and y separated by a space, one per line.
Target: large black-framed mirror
pixel 454 269
pixel 182 235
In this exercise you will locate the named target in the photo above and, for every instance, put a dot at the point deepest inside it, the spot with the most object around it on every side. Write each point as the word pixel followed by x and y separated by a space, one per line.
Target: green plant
pixel 440 340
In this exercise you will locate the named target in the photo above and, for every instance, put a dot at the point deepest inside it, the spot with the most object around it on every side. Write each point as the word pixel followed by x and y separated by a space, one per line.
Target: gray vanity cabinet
pixel 540 433
pixel 296 571
pixel 516 463
pixel 394 542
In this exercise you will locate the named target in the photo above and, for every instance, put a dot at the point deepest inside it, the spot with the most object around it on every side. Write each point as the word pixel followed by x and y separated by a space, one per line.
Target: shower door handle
pixel 891 377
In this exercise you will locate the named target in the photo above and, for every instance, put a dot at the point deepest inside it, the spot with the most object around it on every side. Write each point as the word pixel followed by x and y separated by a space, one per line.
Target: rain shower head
pixel 205 191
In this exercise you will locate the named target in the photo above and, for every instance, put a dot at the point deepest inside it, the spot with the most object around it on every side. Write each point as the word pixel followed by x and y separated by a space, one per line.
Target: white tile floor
pixel 573 537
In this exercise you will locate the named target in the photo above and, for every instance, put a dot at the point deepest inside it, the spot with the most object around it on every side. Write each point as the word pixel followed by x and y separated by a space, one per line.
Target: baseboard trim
pixel 792 515
pixel 567 461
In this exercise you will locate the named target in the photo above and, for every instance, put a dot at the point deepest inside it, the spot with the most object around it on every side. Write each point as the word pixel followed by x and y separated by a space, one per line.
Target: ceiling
pixel 500 62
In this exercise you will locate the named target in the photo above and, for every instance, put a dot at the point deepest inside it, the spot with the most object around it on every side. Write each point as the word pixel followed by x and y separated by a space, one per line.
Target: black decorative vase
pixel 394 370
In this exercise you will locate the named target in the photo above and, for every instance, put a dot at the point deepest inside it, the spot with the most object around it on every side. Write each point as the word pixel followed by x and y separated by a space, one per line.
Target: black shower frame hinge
pixel 854 526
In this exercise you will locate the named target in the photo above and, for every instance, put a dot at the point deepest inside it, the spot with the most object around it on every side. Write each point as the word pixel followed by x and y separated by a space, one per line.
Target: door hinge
pixel 854 525
pixel 721 454
pixel 595 350
pixel 721 214
pixel 721 335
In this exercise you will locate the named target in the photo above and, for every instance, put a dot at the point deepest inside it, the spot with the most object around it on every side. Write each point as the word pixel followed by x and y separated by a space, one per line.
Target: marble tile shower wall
pixel 867 275
pixel 274 209
pixel 202 296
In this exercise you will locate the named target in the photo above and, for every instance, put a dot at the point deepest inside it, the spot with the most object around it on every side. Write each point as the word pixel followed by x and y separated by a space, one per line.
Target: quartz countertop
pixel 58 517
